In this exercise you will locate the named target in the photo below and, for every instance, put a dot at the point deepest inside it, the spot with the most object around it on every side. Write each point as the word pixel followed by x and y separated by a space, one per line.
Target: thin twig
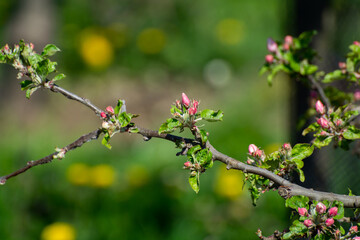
pixel 320 91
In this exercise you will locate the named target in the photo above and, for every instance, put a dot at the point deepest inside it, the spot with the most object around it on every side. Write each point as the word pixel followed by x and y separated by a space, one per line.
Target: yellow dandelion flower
pixel 229 183
pixel 96 50
pixel 230 31
pixel 78 174
pixel 137 176
pixel 58 231
pixel 151 40
pixel 102 175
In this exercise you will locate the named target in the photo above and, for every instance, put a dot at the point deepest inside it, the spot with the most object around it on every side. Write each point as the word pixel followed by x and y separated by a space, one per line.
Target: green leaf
pixel 204 157
pixel 118 107
pixel 332 76
pixel 50 50
pixel 194 182
pixel 26 84
pixel 311 128
pixel 351 133
pixel 58 77
pixel 211 115
pixel 134 130
pixel 2 58
pixel 124 119
pixel 169 126
pixel 296 202
pixel 193 150
pixel 301 151
pixel 30 91
pixel 322 141
pixel 203 135
pixel 105 140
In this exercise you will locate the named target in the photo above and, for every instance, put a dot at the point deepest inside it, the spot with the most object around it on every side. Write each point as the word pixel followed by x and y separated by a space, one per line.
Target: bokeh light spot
pixel 58 231
pixel 78 174
pixel 102 175
pixel 96 50
pixel 151 40
pixel 230 31
pixel 229 183
pixel 217 72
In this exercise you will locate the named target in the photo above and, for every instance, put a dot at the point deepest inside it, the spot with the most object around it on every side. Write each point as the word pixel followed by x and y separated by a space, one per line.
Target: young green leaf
pixel 301 151
pixel 50 50
pixel 58 77
pixel 105 140
pixel 118 107
pixel 169 126
pixel 211 115
pixel 194 182
pixel 352 133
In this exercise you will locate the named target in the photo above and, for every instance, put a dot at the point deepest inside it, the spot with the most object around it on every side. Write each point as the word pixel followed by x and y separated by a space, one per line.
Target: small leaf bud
pixel 319 106
pixel 333 211
pixel 329 222
pixel 320 208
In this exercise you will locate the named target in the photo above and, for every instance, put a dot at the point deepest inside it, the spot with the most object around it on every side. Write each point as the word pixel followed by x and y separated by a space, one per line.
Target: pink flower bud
pixel 357 95
pixel 356 43
pixel 288 39
pixel 320 208
pixel 342 65
pixel 195 104
pixel 333 211
pixel 287 146
pixel 308 223
pixel 187 164
pixel 258 153
pixel 319 106
pixel 302 211
pixel 286 46
pixel 252 149
pixel 329 222
pixel 356 238
pixel 338 122
pixel 103 115
pixel 271 45
pixel 323 133
pixel 323 123
pixel 354 229
pixel 185 100
pixel 32 46
pixel 192 111
pixel 269 58
pixel 110 109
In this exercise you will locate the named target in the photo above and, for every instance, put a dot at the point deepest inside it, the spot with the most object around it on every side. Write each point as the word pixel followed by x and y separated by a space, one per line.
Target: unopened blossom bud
pixel 269 58
pixel 192 111
pixel 103 115
pixel 354 229
pixel 329 222
pixel 286 46
pixel 308 223
pixel 342 65
pixel 258 153
pixel 185 100
pixel 31 45
pixel 356 43
pixel 357 95
pixel 105 125
pixel 320 208
pixel 323 133
pixel 323 123
pixel 288 39
pixel 356 238
pixel 252 149
pixel 319 106
pixel 338 122
pixel 6 49
pixel 333 211
pixel 110 109
pixel 287 146
pixel 302 211
pixel 195 104
pixel 271 45
pixel 187 164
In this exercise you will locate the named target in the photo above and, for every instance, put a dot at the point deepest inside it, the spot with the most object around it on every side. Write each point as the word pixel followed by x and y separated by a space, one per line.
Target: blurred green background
pixel 148 53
